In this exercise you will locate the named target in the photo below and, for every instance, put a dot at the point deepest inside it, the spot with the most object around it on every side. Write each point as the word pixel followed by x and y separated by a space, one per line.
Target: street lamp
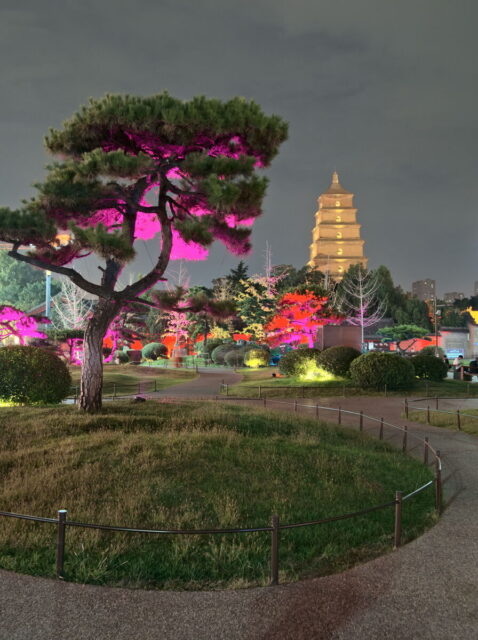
pixel 62 239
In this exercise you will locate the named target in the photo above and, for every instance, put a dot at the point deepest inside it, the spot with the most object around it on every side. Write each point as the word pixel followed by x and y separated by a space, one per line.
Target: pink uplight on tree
pixel 17 324
pixel 181 173
pixel 298 317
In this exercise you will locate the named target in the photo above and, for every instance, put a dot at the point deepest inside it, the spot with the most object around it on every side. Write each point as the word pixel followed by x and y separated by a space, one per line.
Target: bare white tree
pixel 71 307
pixel 356 298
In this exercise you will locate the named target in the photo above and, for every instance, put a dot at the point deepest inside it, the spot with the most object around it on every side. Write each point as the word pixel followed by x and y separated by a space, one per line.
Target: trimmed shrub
pixel 235 357
pixel 220 351
pixel 257 357
pixel 292 362
pixel 32 375
pixel 337 360
pixel 430 351
pixel 154 350
pixel 211 344
pixel 375 370
pixel 429 367
pixel 122 357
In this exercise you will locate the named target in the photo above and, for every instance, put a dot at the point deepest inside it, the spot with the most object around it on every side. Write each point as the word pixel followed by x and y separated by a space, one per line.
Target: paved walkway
pixel 427 589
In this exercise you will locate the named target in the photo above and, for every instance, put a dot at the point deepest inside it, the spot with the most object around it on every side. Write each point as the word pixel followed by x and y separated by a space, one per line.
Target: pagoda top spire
pixel 335 187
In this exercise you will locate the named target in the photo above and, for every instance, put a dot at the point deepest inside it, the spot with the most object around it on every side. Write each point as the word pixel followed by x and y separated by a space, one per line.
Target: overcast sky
pixel 383 90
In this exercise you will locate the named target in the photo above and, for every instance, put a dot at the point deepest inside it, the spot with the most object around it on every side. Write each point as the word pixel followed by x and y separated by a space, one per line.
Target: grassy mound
pixel 195 465
pixel 128 379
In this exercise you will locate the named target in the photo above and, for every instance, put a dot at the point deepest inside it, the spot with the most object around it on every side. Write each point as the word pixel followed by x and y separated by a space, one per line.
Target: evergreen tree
pixel 133 167
pixel 21 286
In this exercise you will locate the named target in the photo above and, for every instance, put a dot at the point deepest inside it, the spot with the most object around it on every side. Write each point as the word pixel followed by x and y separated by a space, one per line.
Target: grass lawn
pixel 196 465
pixel 468 419
pixel 277 387
pixel 126 378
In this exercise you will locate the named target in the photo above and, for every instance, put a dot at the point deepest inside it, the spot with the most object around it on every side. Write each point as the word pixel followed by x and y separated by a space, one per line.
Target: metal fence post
pixel 60 542
pixel 339 417
pixel 381 429
pixel 275 550
pixel 458 419
pixel 425 452
pixel 397 538
pixel 361 421
pixel 438 494
pixel 428 414
pixel 405 434
pixel 317 410
pixel 406 408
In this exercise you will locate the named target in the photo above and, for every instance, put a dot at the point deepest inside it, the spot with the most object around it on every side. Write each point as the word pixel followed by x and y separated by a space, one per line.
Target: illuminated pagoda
pixel 336 242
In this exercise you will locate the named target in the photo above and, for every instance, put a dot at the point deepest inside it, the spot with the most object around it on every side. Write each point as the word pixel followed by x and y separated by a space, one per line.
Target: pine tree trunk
pixel 91 385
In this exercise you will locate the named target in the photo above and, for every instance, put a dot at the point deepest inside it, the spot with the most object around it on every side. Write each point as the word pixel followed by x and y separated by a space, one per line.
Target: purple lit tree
pixel 17 324
pixel 141 168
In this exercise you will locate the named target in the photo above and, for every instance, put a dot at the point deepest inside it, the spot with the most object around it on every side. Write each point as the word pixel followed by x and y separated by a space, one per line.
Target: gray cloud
pixel 385 91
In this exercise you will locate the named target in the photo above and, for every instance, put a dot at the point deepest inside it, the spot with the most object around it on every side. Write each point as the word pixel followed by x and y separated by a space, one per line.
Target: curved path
pixel 427 589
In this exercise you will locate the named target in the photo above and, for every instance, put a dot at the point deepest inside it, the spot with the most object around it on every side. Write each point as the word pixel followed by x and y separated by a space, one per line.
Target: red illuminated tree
pixel 141 168
pixel 298 317
pixel 17 324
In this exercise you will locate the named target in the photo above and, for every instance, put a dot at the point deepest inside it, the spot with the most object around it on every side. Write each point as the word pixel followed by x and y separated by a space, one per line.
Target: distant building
pixel 424 289
pixel 336 241
pixel 449 298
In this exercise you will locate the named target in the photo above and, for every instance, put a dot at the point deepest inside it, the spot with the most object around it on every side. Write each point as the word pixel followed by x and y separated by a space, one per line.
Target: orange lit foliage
pixel 297 319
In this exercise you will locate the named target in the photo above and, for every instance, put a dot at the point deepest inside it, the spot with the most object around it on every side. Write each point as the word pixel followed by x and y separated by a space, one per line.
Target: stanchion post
pixel 458 419
pixel 397 538
pixel 361 421
pixel 317 410
pixel 60 543
pixel 425 452
pixel 295 406
pixel 339 417
pixel 428 414
pixel 381 429
pixel 275 550
pixel 438 493
pixel 406 408
pixel 405 434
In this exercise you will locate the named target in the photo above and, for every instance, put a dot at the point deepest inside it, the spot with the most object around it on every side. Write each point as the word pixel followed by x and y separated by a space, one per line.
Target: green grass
pixel 196 465
pixel 126 378
pixel 277 387
pixel 468 419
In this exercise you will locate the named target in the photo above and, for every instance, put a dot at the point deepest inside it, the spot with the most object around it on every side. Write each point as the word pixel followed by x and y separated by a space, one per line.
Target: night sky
pixel 384 91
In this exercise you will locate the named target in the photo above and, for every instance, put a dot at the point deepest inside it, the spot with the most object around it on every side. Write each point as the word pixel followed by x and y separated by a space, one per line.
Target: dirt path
pixel 427 589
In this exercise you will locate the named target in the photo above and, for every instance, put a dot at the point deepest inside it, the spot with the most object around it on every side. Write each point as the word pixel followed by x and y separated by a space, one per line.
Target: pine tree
pixel 142 167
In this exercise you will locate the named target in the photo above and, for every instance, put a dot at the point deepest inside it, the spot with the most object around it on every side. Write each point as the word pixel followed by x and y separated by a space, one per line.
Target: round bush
pixel 337 360
pixel 375 370
pixel 154 350
pixel 430 351
pixel 32 375
pixel 220 351
pixel 234 357
pixel 121 357
pixel 257 357
pixel 292 362
pixel 208 348
pixel 429 367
